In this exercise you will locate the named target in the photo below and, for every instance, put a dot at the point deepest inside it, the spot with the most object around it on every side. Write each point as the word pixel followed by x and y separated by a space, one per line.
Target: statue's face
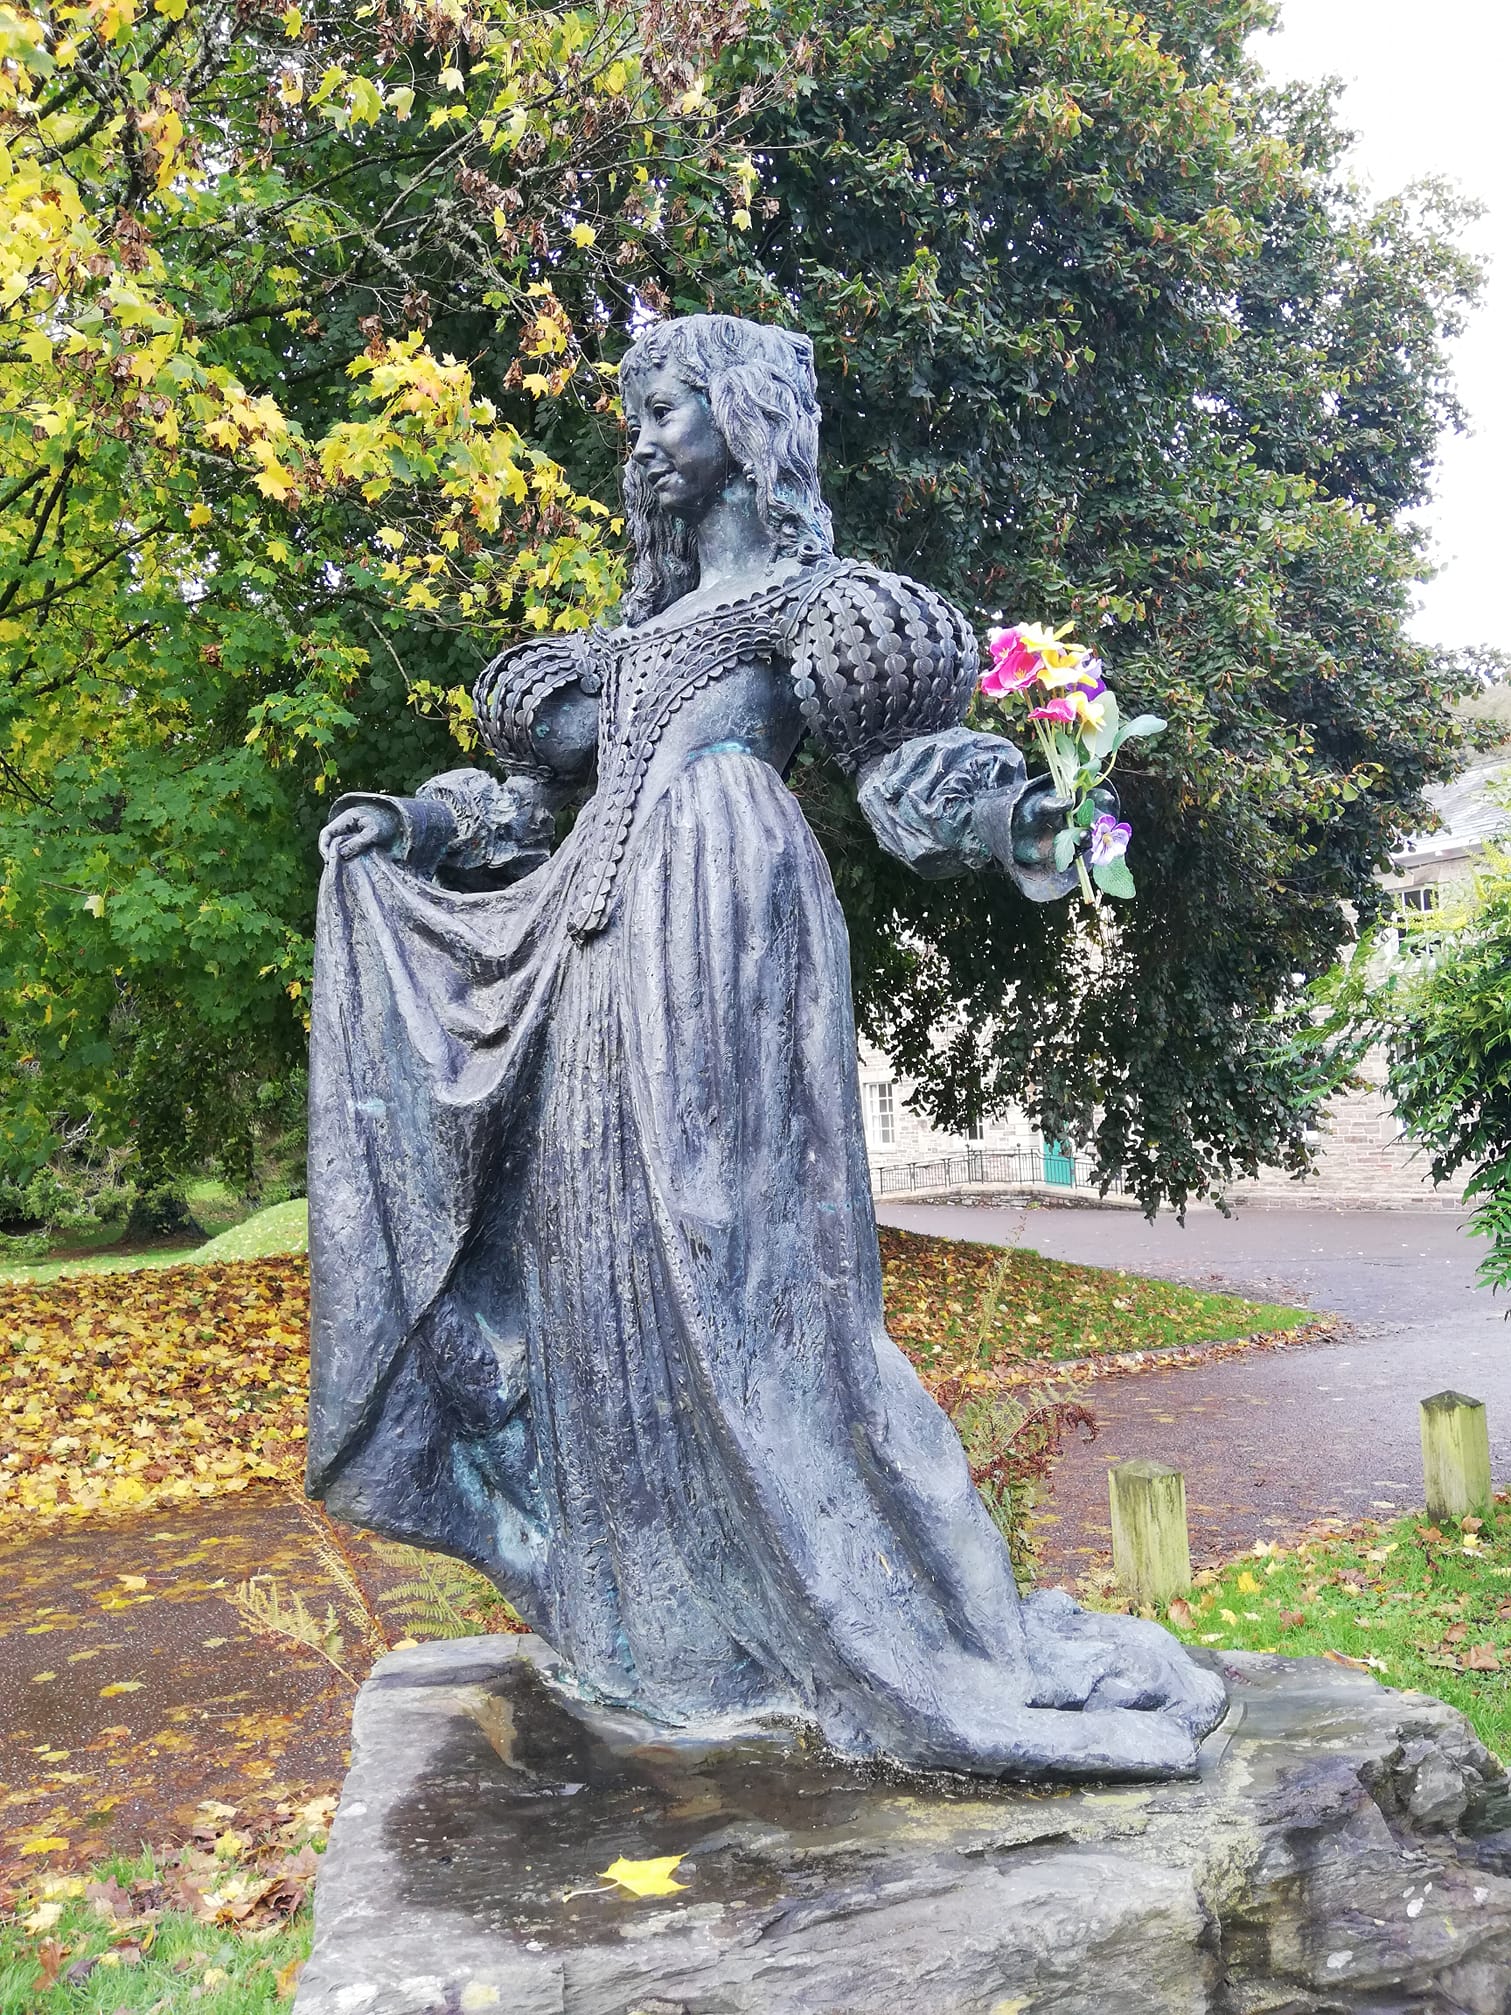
pixel 674 442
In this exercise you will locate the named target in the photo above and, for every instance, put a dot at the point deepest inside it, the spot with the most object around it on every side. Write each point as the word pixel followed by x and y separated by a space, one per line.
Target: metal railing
pixel 1013 1168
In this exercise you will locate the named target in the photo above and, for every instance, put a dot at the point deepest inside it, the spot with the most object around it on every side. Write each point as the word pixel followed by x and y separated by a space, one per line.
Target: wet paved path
pixel 1271 1441
pixel 131 1689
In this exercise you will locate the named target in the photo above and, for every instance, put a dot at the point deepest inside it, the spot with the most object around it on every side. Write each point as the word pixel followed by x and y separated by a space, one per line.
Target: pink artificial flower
pixel 1061 708
pixel 1072 709
pixel 1014 664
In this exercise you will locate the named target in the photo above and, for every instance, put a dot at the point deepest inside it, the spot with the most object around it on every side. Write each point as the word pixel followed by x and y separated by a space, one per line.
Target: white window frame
pixel 880 1112
pixel 1420 901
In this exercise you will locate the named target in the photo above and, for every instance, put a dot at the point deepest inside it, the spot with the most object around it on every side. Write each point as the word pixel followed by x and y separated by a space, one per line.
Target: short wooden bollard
pixel 1456 1456
pixel 1151 1550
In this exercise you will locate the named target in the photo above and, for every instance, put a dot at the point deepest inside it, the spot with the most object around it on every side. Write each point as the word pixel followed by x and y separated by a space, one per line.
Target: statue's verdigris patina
pixel 597 1298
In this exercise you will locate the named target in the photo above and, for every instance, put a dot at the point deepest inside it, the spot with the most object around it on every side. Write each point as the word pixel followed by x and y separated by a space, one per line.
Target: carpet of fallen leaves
pixel 125 1391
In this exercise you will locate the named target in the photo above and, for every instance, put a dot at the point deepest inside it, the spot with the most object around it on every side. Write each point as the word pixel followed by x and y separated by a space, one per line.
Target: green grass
pixel 179 1960
pixel 35 1272
pixel 216 1206
pixel 1414 1601
pixel 954 1304
pixel 282 1227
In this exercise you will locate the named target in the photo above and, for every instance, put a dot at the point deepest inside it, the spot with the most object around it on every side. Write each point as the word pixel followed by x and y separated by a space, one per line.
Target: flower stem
pixel 1063 777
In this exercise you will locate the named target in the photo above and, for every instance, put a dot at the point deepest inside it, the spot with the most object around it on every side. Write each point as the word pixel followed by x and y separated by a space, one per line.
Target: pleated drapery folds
pixel 597 1307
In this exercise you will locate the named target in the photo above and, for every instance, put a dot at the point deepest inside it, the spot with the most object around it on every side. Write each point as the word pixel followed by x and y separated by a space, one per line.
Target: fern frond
pixel 440 1597
pixel 342 1570
pixel 274 1612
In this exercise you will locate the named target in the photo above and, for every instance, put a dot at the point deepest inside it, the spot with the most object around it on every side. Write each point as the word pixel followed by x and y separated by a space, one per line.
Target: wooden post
pixel 1151 1551
pixel 1456 1456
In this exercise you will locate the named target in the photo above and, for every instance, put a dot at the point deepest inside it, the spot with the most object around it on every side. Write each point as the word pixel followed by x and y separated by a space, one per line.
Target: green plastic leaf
pixel 1142 724
pixel 1113 879
pixel 1065 848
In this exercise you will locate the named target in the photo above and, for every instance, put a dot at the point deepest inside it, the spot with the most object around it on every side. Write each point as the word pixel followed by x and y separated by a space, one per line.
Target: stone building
pixel 907 1152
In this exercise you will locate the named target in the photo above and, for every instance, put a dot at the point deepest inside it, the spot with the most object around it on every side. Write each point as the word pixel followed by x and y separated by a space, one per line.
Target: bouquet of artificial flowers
pixel 1079 732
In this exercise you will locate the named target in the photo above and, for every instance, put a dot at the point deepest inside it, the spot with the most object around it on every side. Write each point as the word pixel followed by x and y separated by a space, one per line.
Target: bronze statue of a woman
pixel 597 1301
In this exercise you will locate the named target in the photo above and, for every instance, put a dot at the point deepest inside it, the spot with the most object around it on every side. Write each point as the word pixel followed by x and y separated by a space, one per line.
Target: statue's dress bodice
pixel 863 660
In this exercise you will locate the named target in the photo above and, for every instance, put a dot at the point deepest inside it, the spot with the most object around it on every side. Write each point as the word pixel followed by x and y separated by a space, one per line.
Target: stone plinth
pixel 1338 1852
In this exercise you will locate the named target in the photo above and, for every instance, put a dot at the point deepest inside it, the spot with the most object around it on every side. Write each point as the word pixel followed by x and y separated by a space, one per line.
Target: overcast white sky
pixel 1426 96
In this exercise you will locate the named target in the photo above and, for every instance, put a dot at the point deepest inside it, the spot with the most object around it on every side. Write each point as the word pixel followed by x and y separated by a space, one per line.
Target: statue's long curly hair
pixel 763 395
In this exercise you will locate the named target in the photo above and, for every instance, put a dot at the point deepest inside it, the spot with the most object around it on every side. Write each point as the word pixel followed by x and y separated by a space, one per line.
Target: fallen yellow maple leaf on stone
pixel 122 1686
pixel 646 1878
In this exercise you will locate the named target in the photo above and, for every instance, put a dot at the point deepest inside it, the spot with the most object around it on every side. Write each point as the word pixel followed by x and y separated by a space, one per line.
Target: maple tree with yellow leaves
pixel 283 292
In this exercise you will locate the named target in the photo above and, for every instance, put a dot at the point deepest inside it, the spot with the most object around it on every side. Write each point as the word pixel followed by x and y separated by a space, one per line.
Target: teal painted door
pixel 1059 1166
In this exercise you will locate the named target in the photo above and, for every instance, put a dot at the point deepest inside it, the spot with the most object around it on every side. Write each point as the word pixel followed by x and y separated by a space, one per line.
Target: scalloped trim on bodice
pixel 648 676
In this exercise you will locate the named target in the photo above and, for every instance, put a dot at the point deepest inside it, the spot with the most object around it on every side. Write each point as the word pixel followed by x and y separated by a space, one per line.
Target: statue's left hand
pixel 358 830
pixel 1039 818
pixel 1019 829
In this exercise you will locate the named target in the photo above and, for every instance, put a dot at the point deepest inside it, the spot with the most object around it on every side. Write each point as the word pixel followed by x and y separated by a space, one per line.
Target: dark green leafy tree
pixel 318 410
pixel 1105 337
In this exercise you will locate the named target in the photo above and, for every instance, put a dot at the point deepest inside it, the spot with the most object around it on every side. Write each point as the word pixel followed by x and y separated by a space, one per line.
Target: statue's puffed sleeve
pixel 884 671
pixel 537 707
pixel 468 823
pixel 878 660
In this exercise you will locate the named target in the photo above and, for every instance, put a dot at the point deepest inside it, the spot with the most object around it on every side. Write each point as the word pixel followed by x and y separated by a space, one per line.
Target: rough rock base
pixel 1339 1852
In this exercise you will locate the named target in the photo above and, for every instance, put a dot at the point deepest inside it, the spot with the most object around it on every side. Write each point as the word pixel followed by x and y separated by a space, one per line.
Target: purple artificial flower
pixel 1109 839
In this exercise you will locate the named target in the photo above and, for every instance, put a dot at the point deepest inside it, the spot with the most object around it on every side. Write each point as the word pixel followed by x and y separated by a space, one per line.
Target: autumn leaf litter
pixel 132 1390
pixel 125 1391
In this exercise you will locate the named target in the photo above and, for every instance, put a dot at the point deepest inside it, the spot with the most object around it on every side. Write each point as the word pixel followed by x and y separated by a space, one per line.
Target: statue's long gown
pixel 598 1302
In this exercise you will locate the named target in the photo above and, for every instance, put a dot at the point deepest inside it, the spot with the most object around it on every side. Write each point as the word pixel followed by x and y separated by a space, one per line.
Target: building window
pixel 1419 901
pixel 975 1132
pixel 881 1116
pixel 1412 905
